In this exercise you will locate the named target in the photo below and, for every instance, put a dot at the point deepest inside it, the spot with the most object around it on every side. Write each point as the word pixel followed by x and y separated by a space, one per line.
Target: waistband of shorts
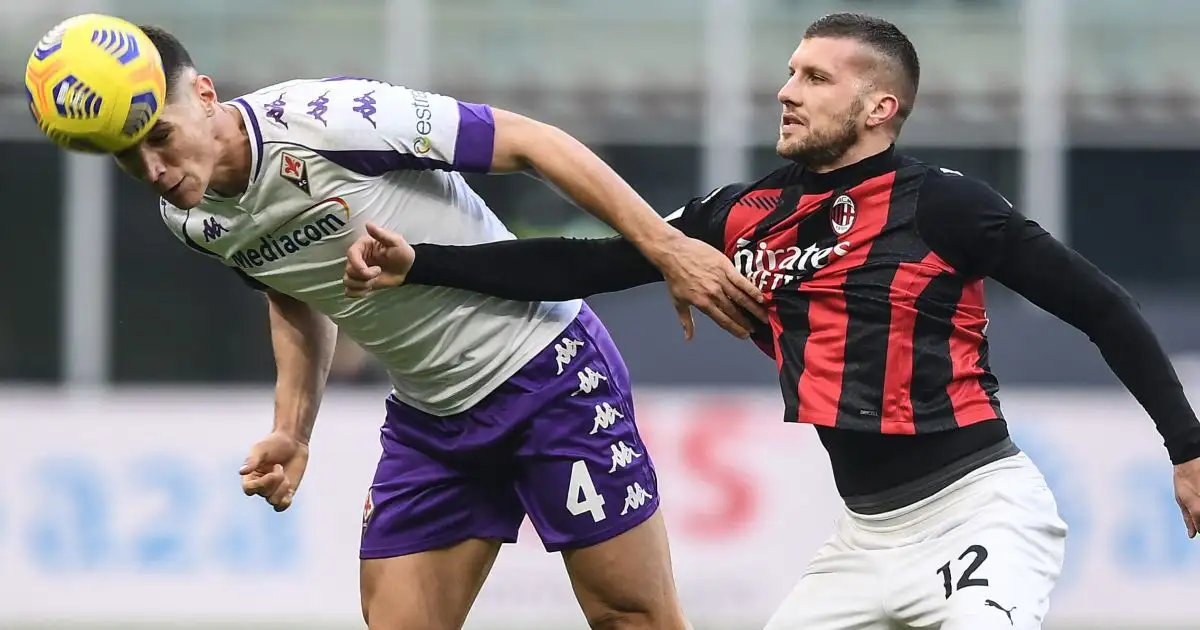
pixel 585 320
pixel 930 512
pixel 929 485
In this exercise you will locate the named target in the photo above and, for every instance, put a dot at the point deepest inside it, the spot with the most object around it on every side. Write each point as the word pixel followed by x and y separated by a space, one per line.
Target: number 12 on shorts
pixel 582 497
pixel 967 579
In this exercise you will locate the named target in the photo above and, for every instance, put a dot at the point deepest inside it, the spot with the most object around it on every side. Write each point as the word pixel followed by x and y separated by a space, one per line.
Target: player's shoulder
pixel 173 217
pixel 729 194
pixel 942 184
pixel 305 111
pixel 951 196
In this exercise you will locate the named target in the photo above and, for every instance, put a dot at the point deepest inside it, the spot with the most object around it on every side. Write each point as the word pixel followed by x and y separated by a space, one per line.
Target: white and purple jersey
pixel 330 155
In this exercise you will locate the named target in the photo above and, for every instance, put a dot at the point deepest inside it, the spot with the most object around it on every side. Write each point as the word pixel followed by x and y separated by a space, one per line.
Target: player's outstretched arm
pixel 696 274
pixel 978 232
pixel 303 341
pixel 1079 294
pixel 536 269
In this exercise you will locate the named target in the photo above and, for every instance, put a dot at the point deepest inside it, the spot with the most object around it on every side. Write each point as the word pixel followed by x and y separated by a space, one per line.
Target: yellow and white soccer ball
pixel 95 84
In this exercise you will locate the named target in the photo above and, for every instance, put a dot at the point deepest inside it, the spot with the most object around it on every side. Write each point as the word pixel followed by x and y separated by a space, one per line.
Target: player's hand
pixel 274 468
pixel 699 275
pixel 379 260
pixel 1187 494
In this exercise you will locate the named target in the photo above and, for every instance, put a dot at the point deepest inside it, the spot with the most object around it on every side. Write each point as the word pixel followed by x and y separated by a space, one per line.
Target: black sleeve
pixel 975 230
pixel 556 268
pixel 535 269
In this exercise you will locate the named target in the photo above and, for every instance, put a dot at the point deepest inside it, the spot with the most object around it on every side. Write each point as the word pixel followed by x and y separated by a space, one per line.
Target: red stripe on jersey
pixel 873 199
pixel 971 403
pixel 766 277
pixel 910 280
pixel 744 219
pixel 820 384
pixel 746 213
pixel 933 259
pixel 807 205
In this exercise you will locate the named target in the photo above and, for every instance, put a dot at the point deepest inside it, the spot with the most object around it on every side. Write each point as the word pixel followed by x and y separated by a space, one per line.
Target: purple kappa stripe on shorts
pixel 557 442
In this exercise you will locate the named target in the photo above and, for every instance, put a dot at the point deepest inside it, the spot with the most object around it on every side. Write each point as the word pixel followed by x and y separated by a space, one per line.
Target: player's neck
pixel 862 150
pixel 231 175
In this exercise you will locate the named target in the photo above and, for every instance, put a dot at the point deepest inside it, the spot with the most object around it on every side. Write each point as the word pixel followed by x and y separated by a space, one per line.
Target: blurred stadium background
pixel 134 373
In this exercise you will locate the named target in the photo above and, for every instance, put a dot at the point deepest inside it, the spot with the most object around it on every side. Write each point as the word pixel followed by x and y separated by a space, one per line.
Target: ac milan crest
pixel 842 214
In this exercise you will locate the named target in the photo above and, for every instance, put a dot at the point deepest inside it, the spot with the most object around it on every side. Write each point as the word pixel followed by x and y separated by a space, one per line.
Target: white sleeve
pixel 373 127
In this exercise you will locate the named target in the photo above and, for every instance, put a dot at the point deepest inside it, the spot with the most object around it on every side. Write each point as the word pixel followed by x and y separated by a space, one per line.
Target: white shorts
pixel 982 554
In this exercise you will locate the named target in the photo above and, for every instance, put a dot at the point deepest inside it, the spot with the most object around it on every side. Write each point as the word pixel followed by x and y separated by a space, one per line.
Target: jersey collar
pixel 254 132
pixel 878 164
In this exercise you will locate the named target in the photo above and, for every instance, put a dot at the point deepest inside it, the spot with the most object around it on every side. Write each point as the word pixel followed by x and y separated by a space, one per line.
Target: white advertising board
pixel 126 506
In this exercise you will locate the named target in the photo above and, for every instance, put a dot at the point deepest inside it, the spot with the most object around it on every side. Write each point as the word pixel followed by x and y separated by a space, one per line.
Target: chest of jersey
pixel 288 201
pixel 292 231
pixel 787 241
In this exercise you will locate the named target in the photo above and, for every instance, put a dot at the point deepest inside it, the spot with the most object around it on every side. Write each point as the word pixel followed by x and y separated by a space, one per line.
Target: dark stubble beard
pixel 822 148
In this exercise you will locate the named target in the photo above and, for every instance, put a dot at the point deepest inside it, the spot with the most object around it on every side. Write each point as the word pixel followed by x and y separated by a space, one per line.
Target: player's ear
pixel 881 108
pixel 207 93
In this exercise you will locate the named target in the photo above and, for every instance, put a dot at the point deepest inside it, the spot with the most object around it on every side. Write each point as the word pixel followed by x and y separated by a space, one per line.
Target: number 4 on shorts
pixel 582 497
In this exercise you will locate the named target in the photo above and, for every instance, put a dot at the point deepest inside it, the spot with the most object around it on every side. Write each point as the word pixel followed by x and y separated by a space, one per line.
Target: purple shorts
pixel 556 441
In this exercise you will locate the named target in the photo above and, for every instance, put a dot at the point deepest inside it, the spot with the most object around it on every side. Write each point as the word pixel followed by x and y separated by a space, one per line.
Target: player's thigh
pixel 589 485
pixel 627 581
pixel 997 570
pixel 583 474
pixel 431 524
pixel 428 590
pixel 842 589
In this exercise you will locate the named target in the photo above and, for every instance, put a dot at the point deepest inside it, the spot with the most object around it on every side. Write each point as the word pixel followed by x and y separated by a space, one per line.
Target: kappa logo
pixel 622 456
pixel 294 170
pixel 606 416
pixel 212 229
pixel 842 214
pixel 589 380
pixel 565 351
pixel 635 497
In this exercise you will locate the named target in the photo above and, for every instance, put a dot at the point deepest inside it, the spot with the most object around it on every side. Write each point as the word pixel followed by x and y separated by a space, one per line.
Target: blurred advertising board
pixel 125 506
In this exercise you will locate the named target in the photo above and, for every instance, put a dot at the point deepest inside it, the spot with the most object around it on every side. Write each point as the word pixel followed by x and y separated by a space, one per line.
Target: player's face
pixel 823 101
pixel 178 156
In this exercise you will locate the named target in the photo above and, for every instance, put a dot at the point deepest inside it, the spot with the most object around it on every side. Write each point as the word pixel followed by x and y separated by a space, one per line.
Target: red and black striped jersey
pixel 873 275
pixel 872 327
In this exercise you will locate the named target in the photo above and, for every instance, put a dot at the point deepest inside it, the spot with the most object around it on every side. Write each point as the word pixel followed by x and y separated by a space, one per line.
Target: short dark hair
pixel 175 57
pixel 886 40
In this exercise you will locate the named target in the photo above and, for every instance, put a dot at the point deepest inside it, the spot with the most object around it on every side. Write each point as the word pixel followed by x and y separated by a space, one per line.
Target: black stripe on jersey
pixel 932 408
pixel 869 311
pixel 988 380
pixel 793 315
pixel 868 329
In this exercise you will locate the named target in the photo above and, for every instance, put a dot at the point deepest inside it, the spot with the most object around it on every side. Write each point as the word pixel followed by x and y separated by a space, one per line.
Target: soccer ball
pixel 95 84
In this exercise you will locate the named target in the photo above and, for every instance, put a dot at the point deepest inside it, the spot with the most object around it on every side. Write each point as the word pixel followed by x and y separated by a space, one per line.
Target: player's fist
pixel 273 469
pixel 1187 494
pixel 379 260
